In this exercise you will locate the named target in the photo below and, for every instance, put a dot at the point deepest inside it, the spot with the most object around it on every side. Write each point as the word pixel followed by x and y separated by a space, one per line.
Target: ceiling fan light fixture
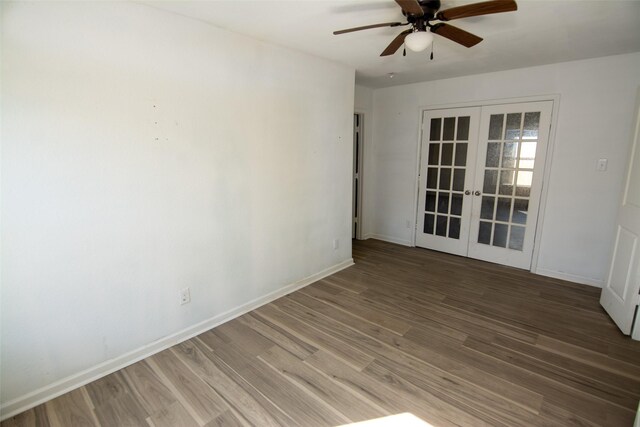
pixel 418 40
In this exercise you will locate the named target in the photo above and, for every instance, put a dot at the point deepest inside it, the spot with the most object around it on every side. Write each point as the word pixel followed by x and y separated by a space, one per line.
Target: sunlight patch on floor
pixel 400 420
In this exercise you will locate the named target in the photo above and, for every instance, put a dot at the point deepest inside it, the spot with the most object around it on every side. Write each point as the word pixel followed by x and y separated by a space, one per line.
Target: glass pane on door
pixel 446 174
pixel 508 175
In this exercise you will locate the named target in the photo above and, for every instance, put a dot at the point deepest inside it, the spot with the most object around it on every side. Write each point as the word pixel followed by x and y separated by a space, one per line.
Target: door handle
pixel 477 193
pixel 467 192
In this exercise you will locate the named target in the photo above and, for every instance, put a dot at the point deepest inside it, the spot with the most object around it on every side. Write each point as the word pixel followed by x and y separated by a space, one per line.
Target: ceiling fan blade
pixel 477 9
pixel 366 27
pixel 411 6
pixel 456 34
pixel 395 43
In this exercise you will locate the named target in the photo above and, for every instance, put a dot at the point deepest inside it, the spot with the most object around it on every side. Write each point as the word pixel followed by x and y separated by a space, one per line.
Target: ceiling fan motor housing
pixel 420 23
pixel 430 8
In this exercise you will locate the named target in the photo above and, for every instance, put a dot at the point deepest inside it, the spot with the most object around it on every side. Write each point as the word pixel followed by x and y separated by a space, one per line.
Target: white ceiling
pixel 540 32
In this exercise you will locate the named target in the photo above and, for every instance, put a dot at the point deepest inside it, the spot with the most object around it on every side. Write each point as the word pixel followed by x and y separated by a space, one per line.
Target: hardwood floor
pixel 451 340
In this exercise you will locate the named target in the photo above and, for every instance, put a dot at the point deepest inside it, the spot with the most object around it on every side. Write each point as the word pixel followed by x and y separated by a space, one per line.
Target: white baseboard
pixel 391 239
pixel 58 388
pixel 570 277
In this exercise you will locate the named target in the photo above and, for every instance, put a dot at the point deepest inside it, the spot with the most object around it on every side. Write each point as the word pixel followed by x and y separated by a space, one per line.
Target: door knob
pixel 477 193
pixel 467 192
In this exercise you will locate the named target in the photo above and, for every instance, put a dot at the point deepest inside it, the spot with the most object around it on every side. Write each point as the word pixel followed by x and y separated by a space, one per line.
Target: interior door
pixel 620 294
pixel 356 231
pixel 447 163
pixel 509 170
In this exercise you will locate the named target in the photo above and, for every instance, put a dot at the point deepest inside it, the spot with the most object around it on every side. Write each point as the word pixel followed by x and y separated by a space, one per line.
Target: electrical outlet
pixel 185 296
pixel 336 243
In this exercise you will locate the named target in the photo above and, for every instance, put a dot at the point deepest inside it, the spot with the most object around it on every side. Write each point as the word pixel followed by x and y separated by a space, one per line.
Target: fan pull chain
pixel 431 57
pixel 404 51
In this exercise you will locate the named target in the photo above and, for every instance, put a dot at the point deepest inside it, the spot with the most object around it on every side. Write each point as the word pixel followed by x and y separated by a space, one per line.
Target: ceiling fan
pixel 421 13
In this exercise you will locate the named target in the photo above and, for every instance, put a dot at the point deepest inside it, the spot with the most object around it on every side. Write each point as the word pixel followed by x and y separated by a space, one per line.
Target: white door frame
pixel 360 235
pixel 555 98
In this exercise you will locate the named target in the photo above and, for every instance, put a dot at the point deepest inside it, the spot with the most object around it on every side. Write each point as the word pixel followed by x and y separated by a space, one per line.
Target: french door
pixel 449 144
pixel 481 180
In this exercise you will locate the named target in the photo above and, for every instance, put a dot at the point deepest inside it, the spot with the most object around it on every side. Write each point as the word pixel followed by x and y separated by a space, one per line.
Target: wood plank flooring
pixel 456 342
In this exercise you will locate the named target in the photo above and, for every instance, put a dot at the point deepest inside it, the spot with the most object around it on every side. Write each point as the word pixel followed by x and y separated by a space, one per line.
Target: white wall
pixel 594 121
pixel 363 98
pixel 143 152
